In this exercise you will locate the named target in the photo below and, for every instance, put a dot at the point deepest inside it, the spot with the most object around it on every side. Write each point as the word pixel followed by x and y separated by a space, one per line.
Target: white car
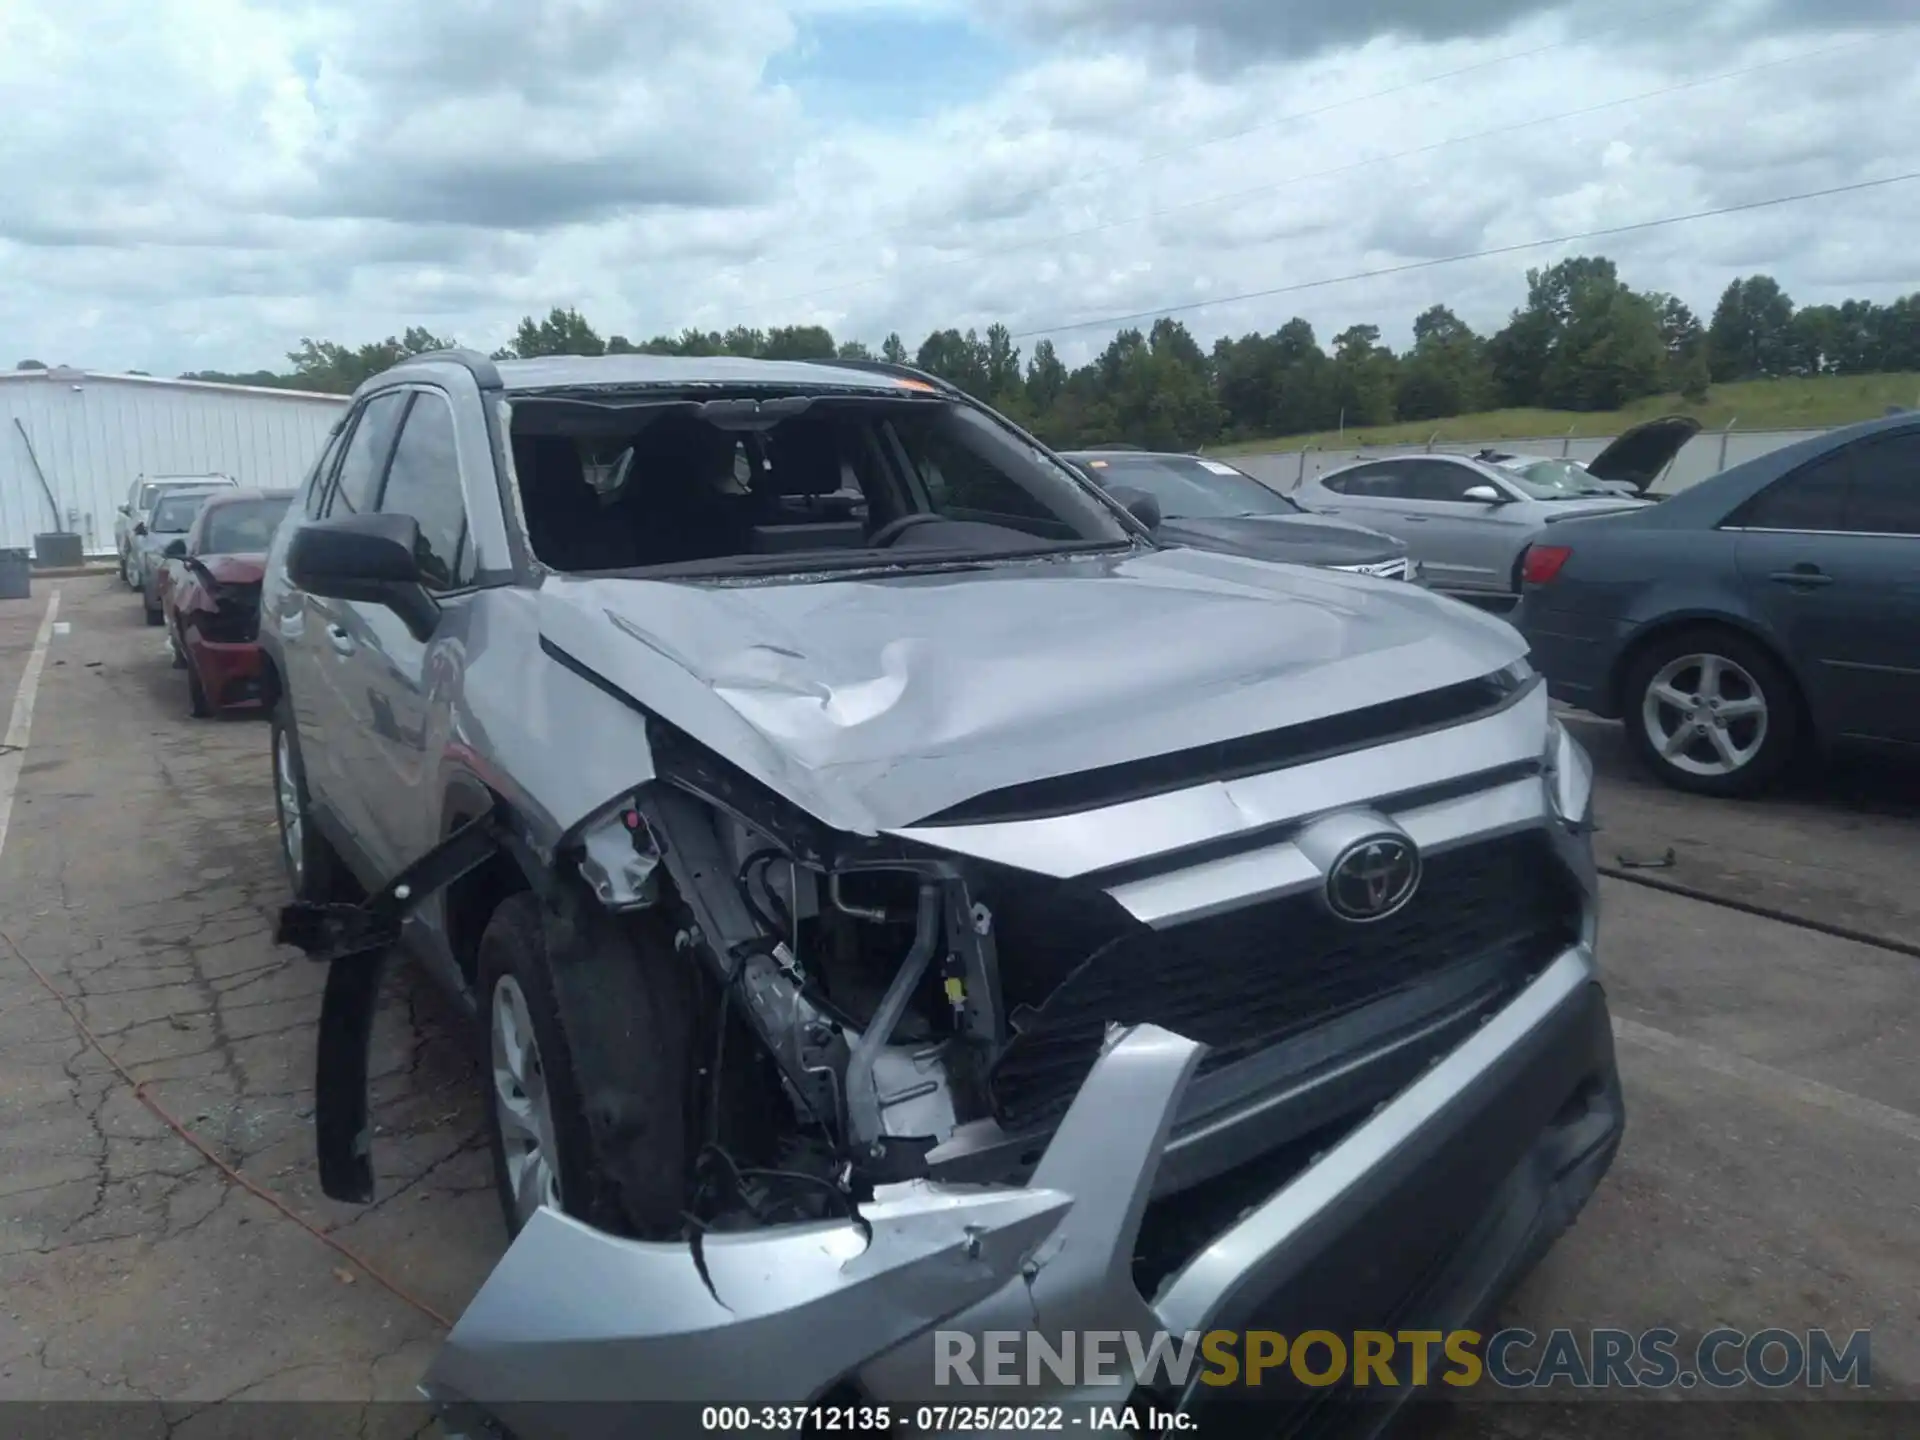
pixel 138 511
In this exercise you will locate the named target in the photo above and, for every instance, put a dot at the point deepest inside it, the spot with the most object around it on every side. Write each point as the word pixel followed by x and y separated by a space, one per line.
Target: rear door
pixel 1830 554
pixel 1374 494
pixel 322 644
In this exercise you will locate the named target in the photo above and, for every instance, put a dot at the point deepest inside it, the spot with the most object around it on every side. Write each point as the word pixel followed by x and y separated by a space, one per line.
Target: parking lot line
pixel 1767 1077
pixel 13 747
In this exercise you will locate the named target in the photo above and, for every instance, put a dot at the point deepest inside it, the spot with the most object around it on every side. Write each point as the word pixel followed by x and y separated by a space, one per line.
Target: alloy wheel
pixel 286 796
pixel 521 1104
pixel 1705 715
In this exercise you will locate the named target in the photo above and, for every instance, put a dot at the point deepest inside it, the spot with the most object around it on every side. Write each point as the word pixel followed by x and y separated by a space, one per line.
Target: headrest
pixel 805 458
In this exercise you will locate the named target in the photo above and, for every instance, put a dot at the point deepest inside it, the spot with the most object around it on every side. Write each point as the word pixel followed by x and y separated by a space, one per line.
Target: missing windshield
pixel 785 483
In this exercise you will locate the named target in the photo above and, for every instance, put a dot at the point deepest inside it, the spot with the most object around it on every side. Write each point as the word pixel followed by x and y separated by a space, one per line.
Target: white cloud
pixel 198 183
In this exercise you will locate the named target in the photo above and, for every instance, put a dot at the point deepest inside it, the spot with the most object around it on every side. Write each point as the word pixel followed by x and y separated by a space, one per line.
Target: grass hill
pixel 1812 402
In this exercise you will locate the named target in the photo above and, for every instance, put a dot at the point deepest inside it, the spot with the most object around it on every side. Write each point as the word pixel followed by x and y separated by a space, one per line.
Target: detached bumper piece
pixel 1421 1215
pixel 353 941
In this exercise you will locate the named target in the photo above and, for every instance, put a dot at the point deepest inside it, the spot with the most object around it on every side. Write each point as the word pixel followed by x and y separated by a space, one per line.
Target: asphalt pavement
pixel 1770 1175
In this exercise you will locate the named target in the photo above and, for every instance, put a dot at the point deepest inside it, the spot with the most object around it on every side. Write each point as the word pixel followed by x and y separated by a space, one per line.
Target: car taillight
pixel 1543 563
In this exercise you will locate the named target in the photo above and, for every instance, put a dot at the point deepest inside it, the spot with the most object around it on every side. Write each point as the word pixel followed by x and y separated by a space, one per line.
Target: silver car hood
pixel 876 702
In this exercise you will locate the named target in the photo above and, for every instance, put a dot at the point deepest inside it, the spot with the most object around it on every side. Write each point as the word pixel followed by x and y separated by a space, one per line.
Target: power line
pixel 1292 117
pixel 1611 230
pixel 1269 187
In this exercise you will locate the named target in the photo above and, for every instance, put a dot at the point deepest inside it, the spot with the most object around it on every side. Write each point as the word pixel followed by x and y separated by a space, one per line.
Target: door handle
pixel 1414 519
pixel 341 641
pixel 1801 575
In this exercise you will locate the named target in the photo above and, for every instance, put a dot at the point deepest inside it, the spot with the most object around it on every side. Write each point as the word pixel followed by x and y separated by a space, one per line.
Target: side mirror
pixel 140 529
pixel 370 558
pixel 126 509
pixel 176 549
pixel 1485 494
pixel 1142 506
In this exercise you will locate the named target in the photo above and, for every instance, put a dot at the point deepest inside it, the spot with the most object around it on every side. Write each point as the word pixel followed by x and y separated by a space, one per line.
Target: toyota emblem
pixel 1373 878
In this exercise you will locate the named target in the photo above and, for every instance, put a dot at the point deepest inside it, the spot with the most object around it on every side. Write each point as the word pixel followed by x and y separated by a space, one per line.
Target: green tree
pixel 31 365
pixel 621 345
pixel 1446 372
pixel 329 366
pixel 1046 379
pixel 1752 333
pixel 1365 374
pixel 893 349
pixel 854 350
pixel 798 342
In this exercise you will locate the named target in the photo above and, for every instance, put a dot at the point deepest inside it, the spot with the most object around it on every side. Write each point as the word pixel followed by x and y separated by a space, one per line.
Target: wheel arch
pixel 471 900
pixel 1682 621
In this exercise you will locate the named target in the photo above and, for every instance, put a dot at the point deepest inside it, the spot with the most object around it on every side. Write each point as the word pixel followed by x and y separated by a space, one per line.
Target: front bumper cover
pixel 1489 1154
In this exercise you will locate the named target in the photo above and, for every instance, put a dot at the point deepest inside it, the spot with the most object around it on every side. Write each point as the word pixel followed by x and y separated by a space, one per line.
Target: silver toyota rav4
pixel 898 897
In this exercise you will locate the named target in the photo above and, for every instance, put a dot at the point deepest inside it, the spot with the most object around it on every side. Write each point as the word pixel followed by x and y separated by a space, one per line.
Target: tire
pixel 179 650
pixel 126 570
pixel 1748 721
pixel 610 1029
pixel 312 868
pixel 155 616
pixel 196 693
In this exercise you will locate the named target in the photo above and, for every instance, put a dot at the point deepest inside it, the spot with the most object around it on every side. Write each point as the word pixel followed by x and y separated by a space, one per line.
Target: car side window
pixel 315 490
pixel 366 454
pixel 424 482
pixel 1814 497
pixel 1384 481
pixel 961 477
pixel 1885 497
pixel 1437 480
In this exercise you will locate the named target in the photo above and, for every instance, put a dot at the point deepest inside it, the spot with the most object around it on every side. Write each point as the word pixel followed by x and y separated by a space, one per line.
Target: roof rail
pixel 485 373
pixel 889 367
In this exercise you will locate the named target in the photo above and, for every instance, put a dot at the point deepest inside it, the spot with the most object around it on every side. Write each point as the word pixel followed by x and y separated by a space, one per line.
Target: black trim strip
pixel 1407 718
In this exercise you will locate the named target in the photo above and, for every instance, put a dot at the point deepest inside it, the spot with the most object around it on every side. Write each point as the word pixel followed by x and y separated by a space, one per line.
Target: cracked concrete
pixel 140 874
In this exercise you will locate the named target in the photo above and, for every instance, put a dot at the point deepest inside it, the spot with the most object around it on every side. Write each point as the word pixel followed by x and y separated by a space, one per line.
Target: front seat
pixel 567 525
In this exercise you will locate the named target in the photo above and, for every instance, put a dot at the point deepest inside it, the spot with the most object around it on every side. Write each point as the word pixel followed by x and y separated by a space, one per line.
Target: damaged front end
pixel 1129 1062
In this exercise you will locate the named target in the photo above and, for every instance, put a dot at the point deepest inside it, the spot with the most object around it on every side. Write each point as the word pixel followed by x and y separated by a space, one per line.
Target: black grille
pixel 1247 979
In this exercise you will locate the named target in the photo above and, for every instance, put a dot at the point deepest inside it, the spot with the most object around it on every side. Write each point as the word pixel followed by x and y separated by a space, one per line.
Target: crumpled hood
pixel 1295 539
pixel 875 702
pixel 235 569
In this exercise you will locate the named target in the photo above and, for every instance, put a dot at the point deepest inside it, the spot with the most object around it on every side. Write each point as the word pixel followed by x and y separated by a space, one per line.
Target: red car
pixel 209 588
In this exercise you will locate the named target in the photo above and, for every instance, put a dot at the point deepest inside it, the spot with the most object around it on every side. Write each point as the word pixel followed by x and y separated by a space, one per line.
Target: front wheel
pixel 313 871
pixel 586 1070
pixel 1712 712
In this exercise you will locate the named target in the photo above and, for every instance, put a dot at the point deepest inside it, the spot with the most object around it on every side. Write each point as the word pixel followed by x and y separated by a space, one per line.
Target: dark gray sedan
pixel 1210 505
pixel 1776 603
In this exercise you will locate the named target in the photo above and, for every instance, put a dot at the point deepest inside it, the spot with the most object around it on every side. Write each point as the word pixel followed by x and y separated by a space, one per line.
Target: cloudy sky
pixel 199 183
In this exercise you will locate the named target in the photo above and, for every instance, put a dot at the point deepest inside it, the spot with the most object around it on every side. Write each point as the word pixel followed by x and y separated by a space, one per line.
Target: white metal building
pixel 89 435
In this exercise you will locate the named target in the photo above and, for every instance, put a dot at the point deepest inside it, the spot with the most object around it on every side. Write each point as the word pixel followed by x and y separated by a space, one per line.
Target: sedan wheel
pixel 1706 714
pixel 1712 712
pixel 521 1107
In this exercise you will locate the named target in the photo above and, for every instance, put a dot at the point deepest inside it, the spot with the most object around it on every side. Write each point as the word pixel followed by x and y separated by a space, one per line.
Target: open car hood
pixel 1637 458
pixel 876 702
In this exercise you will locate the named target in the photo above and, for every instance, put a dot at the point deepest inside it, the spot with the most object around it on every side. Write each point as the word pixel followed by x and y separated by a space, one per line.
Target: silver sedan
pixel 1466 521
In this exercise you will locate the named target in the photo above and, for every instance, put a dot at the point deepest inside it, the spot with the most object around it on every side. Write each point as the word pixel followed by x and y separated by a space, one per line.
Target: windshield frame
pixel 903 474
